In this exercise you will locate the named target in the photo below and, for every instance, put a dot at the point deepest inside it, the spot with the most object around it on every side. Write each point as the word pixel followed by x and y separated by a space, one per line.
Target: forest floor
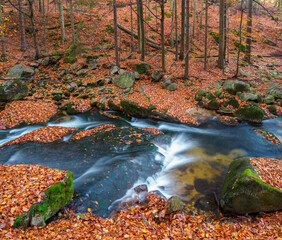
pixel 146 221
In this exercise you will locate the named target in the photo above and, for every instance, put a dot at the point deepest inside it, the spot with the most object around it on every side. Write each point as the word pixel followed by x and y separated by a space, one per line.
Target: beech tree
pixel 249 30
pixel 3 45
pixel 22 26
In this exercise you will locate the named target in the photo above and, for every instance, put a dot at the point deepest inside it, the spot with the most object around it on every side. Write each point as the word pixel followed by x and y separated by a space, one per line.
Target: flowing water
pixel 187 161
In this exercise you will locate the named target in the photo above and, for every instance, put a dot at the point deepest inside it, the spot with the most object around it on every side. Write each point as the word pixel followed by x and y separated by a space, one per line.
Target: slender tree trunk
pixel 138 26
pixel 181 55
pixel 33 29
pixel 3 45
pixel 72 22
pixel 172 23
pixel 40 5
pixel 116 33
pixel 131 21
pixel 220 62
pixel 240 37
pixel 162 35
pixel 22 26
pixel 149 7
pixel 186 75
pixel 194 18
pixel 176 33
pixel 44 26
pixel 249 31
pixel 62 21
pixel 141 28
pixel 201 14
pixel 206 35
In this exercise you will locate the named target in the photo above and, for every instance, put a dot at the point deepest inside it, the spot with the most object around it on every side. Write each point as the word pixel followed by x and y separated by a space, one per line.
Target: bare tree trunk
pixel 172 7
pixel 22 26
pixel 141 28
pixel 72 22
pixel 221 57
pixel 201 14
pixel 186 75
pixel 149 7
pixel 206 35
pixel 40 5
pixel 4 51
pixel 181 55
pixel 44 26
pixel 240 36
pixel 33 29
pixel 131 23
pixel 116 32
pixel 249 31
pixel 194 18
pixel 62 21
pixel 162 35
pixel 176 34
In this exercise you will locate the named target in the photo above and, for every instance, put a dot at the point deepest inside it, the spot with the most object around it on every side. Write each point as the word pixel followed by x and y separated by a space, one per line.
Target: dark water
pixel 188 162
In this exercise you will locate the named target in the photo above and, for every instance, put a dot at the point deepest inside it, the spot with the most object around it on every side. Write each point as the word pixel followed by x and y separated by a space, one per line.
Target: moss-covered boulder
pixel 200 94
pixel 134 109
pixel 275 92
pixel 244 191
pixel 54 198
pixel 124 80
pixel 19 71
pixel 157 76
pixel 213 104
pixel 142 67
pixel 250 113
pixel 13 90
pixel 234 86
pixel 256 96
pixel 269 99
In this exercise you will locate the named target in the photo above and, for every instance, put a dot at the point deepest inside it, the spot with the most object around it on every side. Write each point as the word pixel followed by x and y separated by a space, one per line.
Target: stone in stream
pixel 250 113
pixel 245 192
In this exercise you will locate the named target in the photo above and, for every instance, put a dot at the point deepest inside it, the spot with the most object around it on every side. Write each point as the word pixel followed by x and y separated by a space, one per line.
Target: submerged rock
pixel 245 192
pixel 54 198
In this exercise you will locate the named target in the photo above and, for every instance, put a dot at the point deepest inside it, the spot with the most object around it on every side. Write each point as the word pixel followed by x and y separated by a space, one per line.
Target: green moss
pixel 250 113
pixel 142 67
pixel 200 94
pixel 215 36
pixel 70 60
pixel 272 109
pixel 245 192
pixel 54 198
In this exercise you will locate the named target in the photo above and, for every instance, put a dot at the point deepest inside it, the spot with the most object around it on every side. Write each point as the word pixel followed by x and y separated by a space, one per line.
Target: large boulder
pixel 250 113
pixel 234 86
pixel 275 92
pixel 245 192
pixel 124 80
pixel 54 198
pixel 13 90
pixel 19 71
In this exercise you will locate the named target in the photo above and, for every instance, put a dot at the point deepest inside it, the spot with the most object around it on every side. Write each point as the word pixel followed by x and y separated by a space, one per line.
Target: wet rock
pixel 124 80
pixel 19 71
pixel 234 86
pixel 173 204
pixel 141 188
pixel 70 108
pixel 13 90
pixel 244 192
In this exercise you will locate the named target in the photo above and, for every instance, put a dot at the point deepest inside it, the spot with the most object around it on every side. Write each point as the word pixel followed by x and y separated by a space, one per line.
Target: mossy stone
pixel 54 198
pixel 213 104
pixel 234 86
pixel 70 60
pixel 244 191
pixel 200 94
pixel 269 99
pixel 250 113
pixel 142 67
pixel 272 109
